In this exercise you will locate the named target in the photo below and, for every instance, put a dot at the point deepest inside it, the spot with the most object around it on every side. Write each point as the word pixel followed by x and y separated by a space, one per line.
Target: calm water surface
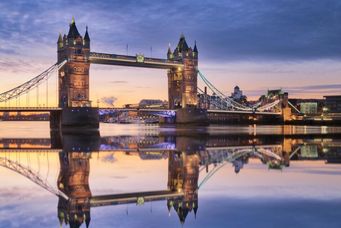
pixel 147 176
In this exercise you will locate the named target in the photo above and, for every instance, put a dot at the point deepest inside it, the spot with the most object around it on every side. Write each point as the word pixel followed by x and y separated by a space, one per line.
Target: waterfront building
pixel 308 107
pixel 333 104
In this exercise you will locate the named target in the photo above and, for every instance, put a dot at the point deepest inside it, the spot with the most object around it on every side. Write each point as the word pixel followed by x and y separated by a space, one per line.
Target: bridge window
pixel 188 88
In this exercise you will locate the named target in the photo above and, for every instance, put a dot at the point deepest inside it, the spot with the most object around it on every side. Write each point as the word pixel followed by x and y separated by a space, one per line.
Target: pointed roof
pixel 169 51
pixel 60 39
pixel 195 47
pixel 73 31
pixel 182 213
pixel 87 219
pixel 86 36
pixel 182 45
pixel 195 209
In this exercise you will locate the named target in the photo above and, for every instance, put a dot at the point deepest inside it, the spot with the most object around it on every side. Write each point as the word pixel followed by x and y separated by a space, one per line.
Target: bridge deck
pixel 242 112
pixel 48 109
pixel 29 109
pixel 125 198
pixel 133 61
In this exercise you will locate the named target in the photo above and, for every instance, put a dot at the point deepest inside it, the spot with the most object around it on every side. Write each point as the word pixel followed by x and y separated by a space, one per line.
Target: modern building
pixel 308 107
pixel 332 104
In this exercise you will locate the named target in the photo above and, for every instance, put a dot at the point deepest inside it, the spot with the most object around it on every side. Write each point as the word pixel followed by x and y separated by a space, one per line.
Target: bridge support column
pixel 74 82
pixel 286 110
pixel 183 175
pixel 182 85
pixel 286 151
pixel 55 120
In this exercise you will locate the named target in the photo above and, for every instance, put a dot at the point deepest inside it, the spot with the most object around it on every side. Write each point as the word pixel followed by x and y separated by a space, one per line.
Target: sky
pixel 256 44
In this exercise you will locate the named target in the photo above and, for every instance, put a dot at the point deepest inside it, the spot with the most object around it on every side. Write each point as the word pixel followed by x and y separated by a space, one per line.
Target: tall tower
pixel 73 180
pixel 182 82
pixel 183 175
pixel 74 75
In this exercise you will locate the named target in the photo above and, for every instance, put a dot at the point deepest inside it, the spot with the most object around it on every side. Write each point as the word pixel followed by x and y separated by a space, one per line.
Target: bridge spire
pixel 169 52
pixel 195 47
pixel 60 41
pixel 73 31
pixel 86 36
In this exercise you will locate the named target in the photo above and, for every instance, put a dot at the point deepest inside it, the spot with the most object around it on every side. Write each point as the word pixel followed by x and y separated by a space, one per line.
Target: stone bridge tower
pixel 286 109
pixel 73 180
pixel 183 175
pixel 182 82
pixel 74 75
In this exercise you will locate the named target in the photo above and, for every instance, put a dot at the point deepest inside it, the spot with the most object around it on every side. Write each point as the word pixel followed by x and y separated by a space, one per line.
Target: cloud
pixel 326 89
pixel 233 30
pixel 110 101
pixel 15 65
pixel 118 82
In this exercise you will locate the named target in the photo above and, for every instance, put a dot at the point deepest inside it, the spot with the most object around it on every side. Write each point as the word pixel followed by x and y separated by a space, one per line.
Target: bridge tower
pixel 73 86
pixel 73 180
pixel 74 75
pixel 286 110
pixel 182 82
pixel 183 175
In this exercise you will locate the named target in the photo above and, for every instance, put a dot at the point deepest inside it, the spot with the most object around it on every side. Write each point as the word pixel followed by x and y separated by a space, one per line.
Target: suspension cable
pixel 29 85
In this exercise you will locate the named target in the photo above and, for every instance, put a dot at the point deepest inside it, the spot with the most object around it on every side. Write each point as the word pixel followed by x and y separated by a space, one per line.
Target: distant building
pixel 237 95
pixel 145 103
pixel 333 104
pixel 308 107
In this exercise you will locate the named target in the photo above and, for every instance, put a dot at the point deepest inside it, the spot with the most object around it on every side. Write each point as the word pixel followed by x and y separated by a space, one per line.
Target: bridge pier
pixel 192 115
pixel 55 119
pixel 75 119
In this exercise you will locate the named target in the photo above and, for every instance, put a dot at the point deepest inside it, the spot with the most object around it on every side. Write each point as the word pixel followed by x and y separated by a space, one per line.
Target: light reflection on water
pixel 199 177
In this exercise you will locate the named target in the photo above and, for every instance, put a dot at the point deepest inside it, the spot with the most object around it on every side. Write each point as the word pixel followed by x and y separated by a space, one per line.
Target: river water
pixel 151 176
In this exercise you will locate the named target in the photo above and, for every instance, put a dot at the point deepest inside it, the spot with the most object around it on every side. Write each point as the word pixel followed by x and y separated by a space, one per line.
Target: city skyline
pixel 289 45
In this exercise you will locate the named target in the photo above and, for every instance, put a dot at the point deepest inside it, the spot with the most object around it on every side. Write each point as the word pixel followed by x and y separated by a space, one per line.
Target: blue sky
pixel 282 43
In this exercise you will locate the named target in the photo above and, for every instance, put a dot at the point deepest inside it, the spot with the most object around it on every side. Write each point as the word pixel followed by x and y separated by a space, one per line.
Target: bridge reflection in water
pixel 192 160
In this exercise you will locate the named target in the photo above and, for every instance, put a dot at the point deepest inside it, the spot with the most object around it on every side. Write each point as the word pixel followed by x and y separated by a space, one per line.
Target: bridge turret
pixel 86 39
pixel 195 50
pixel 169 53
pixel 60 41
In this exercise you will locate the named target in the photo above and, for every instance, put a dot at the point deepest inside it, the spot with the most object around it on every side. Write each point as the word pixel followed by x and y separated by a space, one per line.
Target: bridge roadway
pixel 53 150
pixel 49 109
pixel 135 197
pixel 29 109
pixel 133 61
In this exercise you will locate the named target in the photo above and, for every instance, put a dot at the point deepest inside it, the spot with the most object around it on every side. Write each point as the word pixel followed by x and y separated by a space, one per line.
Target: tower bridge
pixel 188 104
